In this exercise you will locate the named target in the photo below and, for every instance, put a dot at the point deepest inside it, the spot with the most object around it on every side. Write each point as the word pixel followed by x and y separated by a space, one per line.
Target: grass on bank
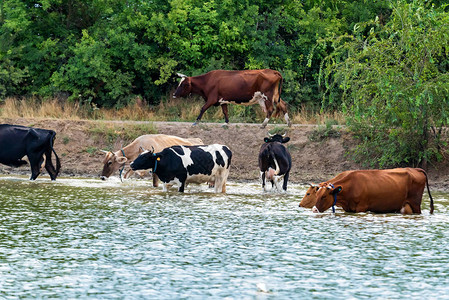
pixel 185 109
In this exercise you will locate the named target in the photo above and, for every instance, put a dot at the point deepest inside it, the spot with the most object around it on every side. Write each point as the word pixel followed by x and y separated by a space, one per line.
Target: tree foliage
pixel 109 51
pixel 394 81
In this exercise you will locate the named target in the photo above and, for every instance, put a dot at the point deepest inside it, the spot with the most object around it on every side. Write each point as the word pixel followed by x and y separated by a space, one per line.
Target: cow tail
pixel 58 162
pixel 278 110
pixel 428 191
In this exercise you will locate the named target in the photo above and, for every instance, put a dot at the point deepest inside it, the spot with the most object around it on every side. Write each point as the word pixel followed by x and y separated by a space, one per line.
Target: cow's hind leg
pixel 284 185
pixel 49 165
pixel 220 181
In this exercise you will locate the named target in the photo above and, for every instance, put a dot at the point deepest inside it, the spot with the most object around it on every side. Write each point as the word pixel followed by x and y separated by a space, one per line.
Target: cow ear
pixel 285 140
pixel 122 160
pixel 266 140
pixel 337 190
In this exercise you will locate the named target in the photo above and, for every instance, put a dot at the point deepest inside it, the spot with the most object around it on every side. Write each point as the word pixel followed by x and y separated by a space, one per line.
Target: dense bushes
pixel 384 63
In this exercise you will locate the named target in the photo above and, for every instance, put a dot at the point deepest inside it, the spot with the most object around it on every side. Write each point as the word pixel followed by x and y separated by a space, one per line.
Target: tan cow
pixel 113 161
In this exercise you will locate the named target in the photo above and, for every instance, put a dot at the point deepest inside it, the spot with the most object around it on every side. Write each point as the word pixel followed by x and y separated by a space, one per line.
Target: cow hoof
pixel 225 126
pixel 194 124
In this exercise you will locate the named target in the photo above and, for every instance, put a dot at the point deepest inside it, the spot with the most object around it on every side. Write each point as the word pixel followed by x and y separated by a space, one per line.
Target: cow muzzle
pixel 315 210
pixel 103 177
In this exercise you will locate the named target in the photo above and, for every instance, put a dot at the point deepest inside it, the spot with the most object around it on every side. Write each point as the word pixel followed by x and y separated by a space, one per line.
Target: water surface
pixel 85 238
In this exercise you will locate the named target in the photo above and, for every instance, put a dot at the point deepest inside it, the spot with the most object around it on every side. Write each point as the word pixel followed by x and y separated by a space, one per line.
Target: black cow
pixel 275 161
pixel 188 164
pixel 17 141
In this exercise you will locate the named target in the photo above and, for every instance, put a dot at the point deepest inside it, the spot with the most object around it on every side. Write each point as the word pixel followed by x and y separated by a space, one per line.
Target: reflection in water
pixel 89 238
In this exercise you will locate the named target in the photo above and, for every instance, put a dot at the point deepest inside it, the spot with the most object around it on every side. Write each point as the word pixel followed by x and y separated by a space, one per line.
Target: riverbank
pixel 78 144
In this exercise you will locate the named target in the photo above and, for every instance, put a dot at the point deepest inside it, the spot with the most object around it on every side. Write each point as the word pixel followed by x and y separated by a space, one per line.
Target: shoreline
pixel 79 148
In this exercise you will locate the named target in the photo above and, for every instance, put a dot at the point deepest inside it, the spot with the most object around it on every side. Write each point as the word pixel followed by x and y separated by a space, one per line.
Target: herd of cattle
pixel 174 160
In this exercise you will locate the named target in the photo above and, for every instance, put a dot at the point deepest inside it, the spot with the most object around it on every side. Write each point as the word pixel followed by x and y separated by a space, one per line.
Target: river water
pixel 85 238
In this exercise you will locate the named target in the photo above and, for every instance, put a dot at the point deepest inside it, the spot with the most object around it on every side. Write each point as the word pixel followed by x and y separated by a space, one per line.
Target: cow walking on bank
pixel 188 164
pixel 380 191
pixel 221 87
pixel 18 141
pixel 275 162
pixel 114 161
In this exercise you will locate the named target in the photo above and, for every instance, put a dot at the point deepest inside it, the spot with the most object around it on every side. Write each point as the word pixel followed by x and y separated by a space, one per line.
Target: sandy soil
pixel 312 161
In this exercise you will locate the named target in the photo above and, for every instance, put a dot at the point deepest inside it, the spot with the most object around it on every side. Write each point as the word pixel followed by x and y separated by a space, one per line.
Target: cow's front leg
pixel 182 186
pixel 203 109
pixel 35 163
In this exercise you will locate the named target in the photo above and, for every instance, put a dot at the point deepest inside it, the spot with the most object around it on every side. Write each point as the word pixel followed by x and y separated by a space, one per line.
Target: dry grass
pixel 168 110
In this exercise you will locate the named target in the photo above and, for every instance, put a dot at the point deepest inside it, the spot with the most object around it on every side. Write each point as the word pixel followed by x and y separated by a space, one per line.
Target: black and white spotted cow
pixel 188 164
pixel 275 161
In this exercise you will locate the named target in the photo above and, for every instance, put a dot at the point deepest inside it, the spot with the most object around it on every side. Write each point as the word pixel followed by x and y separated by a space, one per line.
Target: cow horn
pixel 285 134
pixel 104 151
pixel 181 75
pixel 142 149
pixel 269 134
pixel 152 149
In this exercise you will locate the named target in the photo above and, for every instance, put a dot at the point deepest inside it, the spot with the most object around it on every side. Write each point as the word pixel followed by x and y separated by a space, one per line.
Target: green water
pixel 84 238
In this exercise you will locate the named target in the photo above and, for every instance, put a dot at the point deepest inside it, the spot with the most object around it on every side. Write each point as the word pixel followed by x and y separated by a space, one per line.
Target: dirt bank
pixel 316 161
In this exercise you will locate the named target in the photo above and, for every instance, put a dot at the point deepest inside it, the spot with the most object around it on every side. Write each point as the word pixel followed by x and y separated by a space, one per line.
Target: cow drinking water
pixel 248 87
pixel 379 191
pixel 188 164
pixel 17 141
pixel 114 161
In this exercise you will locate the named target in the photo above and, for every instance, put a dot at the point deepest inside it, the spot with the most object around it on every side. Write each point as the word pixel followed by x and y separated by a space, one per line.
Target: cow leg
pixel 406 209
pixel 182 186
pixel 262 178
pixel 284 186
pixel 203 109
pixel 269 107
pixel 220 181
pixel 224 108
pixel 49 165
pixel 35 163
pixel 155 180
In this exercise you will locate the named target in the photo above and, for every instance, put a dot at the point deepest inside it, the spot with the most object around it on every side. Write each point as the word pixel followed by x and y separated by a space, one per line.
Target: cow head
pixel 325 197
pixel 276 138
pixel 184 88
pixel 146 160
pixel 309 199
pixel 111 163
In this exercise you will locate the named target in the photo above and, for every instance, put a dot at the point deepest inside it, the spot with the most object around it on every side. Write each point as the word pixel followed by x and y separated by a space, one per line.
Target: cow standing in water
pixel 17 141
pixel 221 87
pixel 378 191
pixel 275 162
pixel 188 164
pixel 114 161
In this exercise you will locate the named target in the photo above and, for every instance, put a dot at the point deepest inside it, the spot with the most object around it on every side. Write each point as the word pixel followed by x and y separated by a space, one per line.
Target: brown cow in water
pixel 248 87
pixel 378 191
pixel 309 199
pixel 113 161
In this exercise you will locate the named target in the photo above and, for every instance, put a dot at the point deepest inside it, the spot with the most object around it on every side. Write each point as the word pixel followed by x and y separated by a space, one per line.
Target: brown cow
pixel 113 161
pixel 379 191
pixel 309 199
pixel 221 87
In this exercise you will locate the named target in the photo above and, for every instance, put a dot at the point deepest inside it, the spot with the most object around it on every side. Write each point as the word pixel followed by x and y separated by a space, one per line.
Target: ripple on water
pixel 107 239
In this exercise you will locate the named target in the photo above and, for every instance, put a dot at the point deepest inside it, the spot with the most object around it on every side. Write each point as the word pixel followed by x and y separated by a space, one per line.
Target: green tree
pixel 394 81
